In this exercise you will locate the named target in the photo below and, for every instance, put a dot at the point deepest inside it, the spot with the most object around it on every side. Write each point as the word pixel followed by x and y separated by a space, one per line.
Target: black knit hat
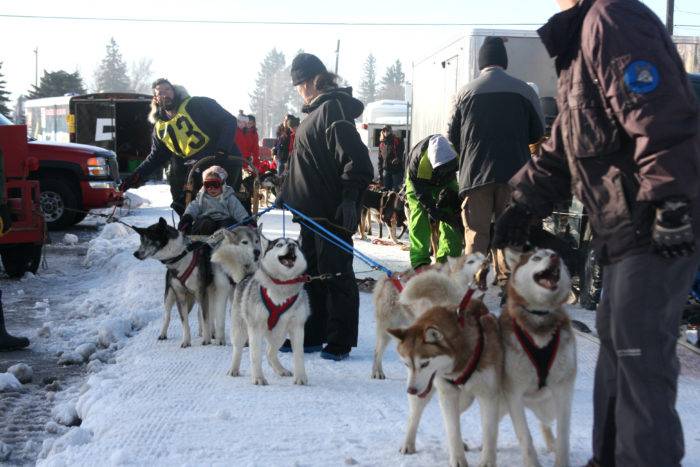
pixel 493 52
pixel 304 67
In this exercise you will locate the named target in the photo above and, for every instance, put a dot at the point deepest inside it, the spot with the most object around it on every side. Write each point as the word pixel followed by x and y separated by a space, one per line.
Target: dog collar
pixel 175 259
pixel 541 358
pixel 296 280
pixel 473 360
pixel 276 311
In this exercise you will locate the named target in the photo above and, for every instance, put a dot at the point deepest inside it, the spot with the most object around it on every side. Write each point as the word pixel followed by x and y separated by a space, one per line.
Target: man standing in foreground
pixel 494 119
pixel 626 139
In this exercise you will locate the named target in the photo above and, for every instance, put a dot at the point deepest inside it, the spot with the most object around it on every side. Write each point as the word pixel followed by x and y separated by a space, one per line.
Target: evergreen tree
pixel 4 95
pixel 368 86
pixel 270 101
pixel 392 85
pixel 111 75
pixel 57 83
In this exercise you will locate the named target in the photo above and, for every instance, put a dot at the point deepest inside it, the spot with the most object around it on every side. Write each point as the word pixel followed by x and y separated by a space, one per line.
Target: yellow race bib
pixel 180 134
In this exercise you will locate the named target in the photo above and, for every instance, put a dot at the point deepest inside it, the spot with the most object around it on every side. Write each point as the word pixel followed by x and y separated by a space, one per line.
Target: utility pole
pixel 669 16
pixel 36 67
pixel 337 54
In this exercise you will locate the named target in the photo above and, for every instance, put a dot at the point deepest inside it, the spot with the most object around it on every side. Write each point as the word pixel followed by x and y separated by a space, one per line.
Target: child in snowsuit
pixel 215 206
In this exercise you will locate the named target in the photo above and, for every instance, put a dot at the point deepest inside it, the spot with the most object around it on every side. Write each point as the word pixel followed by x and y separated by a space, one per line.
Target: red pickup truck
pixel 73 178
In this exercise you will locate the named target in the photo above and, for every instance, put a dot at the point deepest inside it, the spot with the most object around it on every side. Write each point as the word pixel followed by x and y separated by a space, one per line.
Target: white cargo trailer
pixel 439 76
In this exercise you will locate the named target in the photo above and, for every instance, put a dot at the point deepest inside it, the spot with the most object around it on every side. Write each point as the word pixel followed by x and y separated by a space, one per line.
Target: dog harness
pixel 275 310
pixel 473 360
pixel 541 358
pixel 196 254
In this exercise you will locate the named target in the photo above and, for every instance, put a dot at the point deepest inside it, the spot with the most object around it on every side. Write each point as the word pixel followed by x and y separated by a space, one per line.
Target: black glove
pixel 185 223
pixel 513 227
pixel 132 181
pixel 346 214
pixel 672 232
pixel 279 202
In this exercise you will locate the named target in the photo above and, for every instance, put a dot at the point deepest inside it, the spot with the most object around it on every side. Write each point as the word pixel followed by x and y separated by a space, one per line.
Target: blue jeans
pixel 393 180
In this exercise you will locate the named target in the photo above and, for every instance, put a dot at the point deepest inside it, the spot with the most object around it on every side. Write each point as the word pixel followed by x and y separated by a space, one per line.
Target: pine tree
pixel 270 101
pixel 4 99
pixel 57 83
pixel 111 75
pixel 368 86
pixel 392 85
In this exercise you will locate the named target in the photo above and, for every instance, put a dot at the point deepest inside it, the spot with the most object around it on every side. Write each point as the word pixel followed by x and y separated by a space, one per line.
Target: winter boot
pixel 287 347
pixel 8 342
pixel 335 352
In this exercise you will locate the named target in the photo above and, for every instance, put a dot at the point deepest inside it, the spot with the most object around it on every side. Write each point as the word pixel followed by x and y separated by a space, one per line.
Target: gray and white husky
pixel 272 303
pixel 191 278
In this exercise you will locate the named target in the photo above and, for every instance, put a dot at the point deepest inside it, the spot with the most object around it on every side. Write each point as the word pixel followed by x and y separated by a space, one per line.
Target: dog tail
pixel 432 287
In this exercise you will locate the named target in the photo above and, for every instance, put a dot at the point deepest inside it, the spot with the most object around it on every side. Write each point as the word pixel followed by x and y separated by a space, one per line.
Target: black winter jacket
pixel 494 119
pixel 212 120
pixel 329 162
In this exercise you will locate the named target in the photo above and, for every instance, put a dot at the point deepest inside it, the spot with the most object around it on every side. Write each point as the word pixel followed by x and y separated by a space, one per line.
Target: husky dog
pixel 390 313
pixel 190 275
pixel 539 350
pixel 388 208
pixel 456 349
pixel 271 304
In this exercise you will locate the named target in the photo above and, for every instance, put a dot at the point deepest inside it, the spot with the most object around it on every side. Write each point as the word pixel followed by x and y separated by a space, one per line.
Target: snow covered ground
pixel 149 402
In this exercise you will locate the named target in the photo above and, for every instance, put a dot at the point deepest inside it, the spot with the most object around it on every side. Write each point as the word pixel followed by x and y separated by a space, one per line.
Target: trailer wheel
pixel 21 258
pixel 57 200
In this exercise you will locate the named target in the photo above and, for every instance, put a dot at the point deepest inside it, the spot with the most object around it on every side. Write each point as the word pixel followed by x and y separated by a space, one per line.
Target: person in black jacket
pixel 494 119
pixel 328 173
pixel 186 129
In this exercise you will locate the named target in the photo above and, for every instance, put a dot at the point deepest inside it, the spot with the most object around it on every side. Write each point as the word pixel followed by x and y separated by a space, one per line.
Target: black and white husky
pixel 191 278
pixel 272 303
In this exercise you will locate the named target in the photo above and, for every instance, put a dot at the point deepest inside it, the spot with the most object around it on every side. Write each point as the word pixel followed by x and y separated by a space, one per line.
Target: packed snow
pixel 149 402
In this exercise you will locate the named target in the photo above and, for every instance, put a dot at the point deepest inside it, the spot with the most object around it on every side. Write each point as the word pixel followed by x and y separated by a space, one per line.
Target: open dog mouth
pixel 429 388
pixel 549 278
pixel 289 258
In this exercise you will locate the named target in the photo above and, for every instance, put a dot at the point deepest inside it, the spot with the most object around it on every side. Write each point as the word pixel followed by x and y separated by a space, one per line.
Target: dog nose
pixel 136 255
pixel 412 391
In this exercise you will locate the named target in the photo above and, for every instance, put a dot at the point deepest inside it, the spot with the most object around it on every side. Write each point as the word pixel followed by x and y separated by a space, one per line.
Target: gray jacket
pixel 218 208
pixel 494 119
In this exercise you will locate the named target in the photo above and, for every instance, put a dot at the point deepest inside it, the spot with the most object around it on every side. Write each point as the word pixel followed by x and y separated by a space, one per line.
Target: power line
pixel 253 22
pixel 688 12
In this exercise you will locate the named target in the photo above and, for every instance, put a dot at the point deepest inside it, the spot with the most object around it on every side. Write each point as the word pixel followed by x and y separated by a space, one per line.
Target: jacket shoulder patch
pixel 641 77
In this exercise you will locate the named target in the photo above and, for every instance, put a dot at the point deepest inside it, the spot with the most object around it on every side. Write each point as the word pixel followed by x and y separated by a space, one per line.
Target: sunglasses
pixel 212 184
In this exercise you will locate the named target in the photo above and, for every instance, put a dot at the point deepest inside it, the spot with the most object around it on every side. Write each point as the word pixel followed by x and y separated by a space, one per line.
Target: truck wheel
pixel 56 196
pixel 591 280
pixel 18 259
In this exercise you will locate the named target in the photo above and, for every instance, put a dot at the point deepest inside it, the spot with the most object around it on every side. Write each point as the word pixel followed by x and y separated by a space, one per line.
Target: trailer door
pixel 95 123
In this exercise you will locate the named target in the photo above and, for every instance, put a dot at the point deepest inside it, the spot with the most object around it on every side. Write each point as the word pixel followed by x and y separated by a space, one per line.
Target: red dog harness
pixel 541 358
pixel 476 355
pixel 276 311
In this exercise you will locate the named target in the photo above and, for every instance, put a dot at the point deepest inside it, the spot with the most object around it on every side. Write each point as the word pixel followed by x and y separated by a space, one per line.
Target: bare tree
pixel 140 75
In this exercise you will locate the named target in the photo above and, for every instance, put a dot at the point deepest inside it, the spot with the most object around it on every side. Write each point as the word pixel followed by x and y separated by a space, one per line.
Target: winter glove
pixel 279 202
pixel 185 223
pixel 672 232
pixel 346 214
pixel 513 227
pixel 132 181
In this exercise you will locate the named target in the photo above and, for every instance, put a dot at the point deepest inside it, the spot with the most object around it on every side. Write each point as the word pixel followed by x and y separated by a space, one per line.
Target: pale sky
pixel 222 60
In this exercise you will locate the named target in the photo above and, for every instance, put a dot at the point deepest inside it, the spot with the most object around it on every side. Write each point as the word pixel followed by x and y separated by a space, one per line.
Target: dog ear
pixel 138 230
pixel 162 223
pixel 432 335
pixel 398 333
pixel 264 242
pixel 231 235
pixel 452 263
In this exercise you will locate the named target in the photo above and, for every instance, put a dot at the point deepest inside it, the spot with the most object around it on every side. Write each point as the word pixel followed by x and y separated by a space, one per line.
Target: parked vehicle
pixel 72 177
pixel 21 223
pixel 116 122
pixel 380 113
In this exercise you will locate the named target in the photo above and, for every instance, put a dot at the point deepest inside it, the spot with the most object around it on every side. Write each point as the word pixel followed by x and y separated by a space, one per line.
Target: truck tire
pixel 21 258
pixel 590 280
pixel 57 200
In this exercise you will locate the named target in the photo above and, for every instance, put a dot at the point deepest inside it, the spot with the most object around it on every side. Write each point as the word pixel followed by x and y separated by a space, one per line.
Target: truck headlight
pixel 98 167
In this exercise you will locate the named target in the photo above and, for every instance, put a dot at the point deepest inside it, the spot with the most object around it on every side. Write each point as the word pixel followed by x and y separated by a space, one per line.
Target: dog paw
pixel 185 344
pixel 233 373
pixel 259 381
pixel 487 463
pixel 378 374
pixel 459 462
pixel 162 337
pixel 301 380
pixel 285 373
pixel 408 449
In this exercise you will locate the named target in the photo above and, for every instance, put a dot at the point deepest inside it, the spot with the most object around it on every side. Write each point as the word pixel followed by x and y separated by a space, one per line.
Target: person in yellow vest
pixel 186 129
